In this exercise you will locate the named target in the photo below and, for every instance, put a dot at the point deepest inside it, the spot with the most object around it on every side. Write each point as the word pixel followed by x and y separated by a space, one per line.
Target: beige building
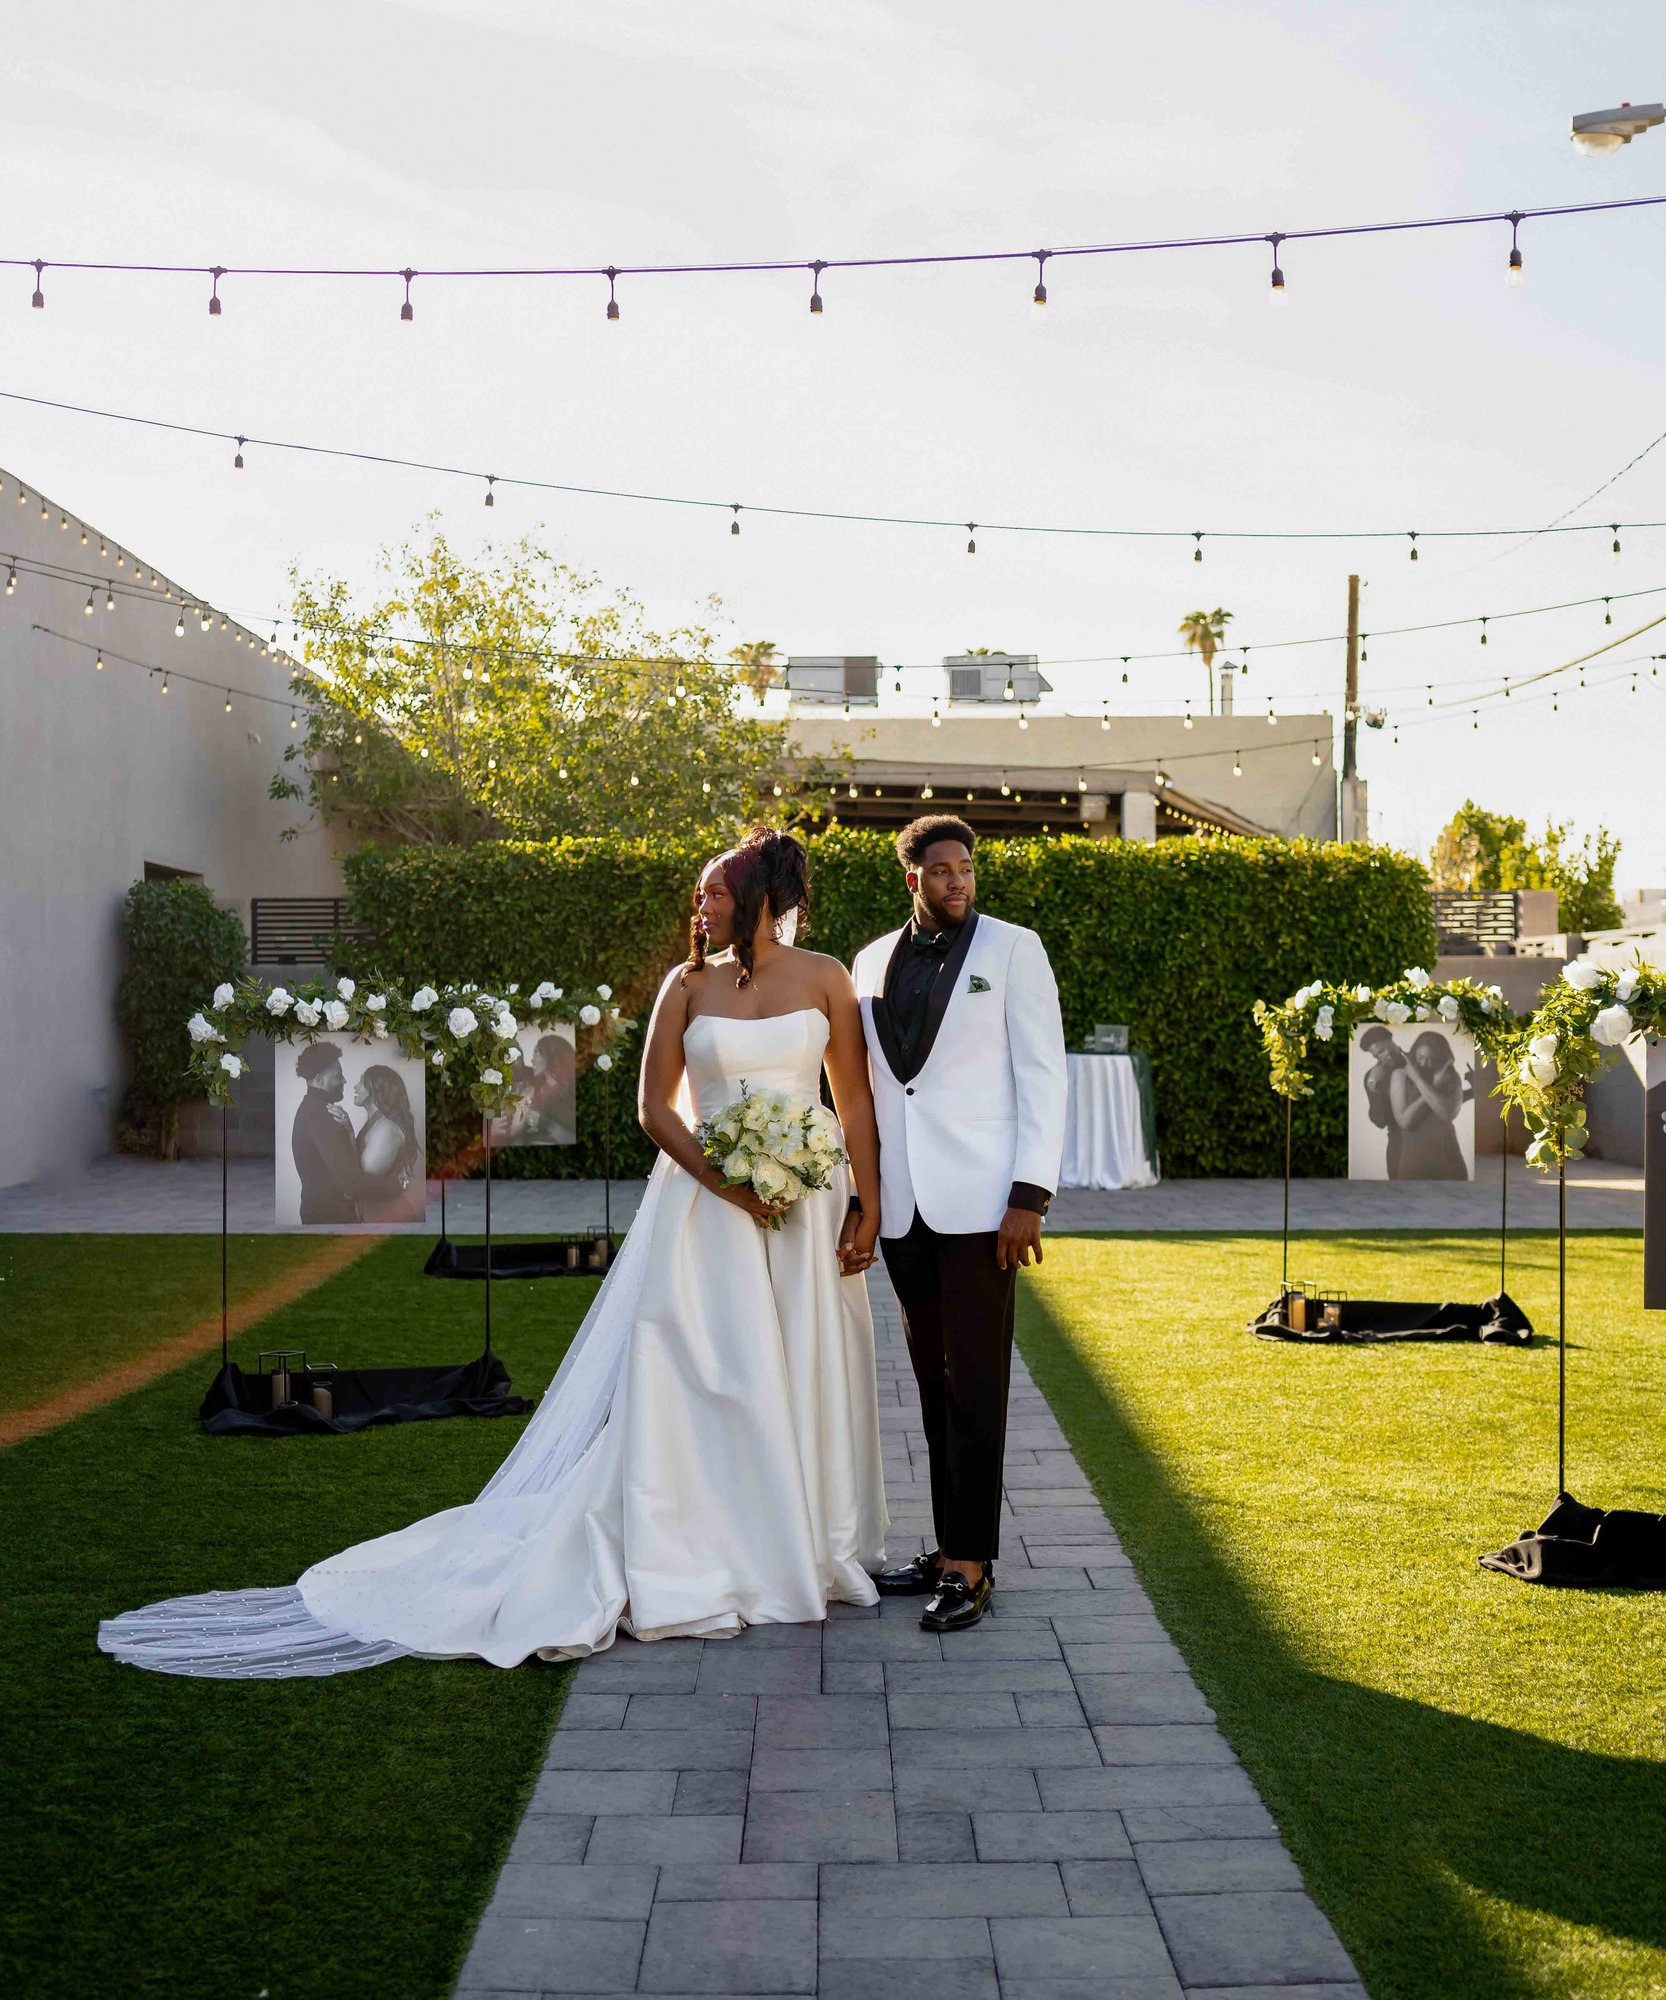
pixel 108 774
pixel 1009 767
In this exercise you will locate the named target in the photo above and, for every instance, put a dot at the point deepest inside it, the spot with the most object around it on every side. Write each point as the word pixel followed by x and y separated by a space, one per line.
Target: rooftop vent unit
pixel 834 678
pixel 996 677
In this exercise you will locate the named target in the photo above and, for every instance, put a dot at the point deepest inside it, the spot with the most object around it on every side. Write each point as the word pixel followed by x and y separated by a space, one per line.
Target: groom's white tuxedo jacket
pixel 984 1106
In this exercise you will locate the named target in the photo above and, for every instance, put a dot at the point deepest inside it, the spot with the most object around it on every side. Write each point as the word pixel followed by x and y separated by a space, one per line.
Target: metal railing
pixel 292 930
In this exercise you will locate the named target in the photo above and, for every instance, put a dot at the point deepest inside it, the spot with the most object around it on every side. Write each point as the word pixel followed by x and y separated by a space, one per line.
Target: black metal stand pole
pixel 486 1134
pixel 607 1165
pixel 224 1309
pixel 1289 1114
pixel 1504 1204
pixel 443 1178
pixel 1561 1328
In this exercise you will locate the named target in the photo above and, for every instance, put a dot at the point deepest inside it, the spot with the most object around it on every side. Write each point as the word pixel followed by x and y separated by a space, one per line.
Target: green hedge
pixel 179 947
pixel 1178 939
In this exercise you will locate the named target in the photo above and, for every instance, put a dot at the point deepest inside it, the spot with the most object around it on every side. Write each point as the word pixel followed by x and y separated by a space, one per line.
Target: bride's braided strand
pixel 770 870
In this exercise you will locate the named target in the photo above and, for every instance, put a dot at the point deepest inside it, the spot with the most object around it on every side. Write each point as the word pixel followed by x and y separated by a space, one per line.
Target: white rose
pixel 737 1166
pixel 1624 986
pixel 375 1002
pixel 1415 976
pixel 493 1076
pixel 232 1065
pixel 1497 992
pixel 438 1059
pixel 556 992
pixel 306 1012
pixel 278 1001
pixel 225 994
pixel 604 1061
pixel 1322 1025
pixel 1582 975
pixel 1394 1011
pixel 381 1030
pixel 1486 1005
pixel 605 992
pixel 1448 1008
pixel 514 986
pixel 505 1027
pixel 1362 993
pixel 461 1022
pixel 1544 1046
pixel 1423 1014
pixel 485 1002
pixel 345 988
pixel 335 1014
pixel 540 993
pixel 1612 1026
pixel 770 1180
pixel 422 999
pixel 590 1015
pixel 201 1029
pixel 1542 1069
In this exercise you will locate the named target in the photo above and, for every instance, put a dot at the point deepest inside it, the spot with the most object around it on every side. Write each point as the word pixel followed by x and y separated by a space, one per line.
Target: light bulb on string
pixel 1040 293
pixel 99 662
pixel 1514 275
pixel 1009 693
pixel 206 618
pixel 237 462
pixel 1276 290
pixel 1315 760
pixel 63 524
pixel 295 725
pixel 224 621
pixel 734 525
pixel 971 538
pixel 109 598
pixel 179 625
pixel 1272 720
pixel 705 784
pixel 43 507
pixel 1081 782
pixel 491 481
pixel 925 790
pixel 777 790
pixel 1607 615
pixel 1104 715
pixel 936 718
pixel 816 269
pixel 407 311
pixel 612 301
pixel 1430 692
pixel 1413 535
pixel 1197 553
pixel 228 701
pixel 1614 529
pixel 1237 768
pixel 635 780
pixel 87 608
pixel 39 299
pixel 217 272
pixel 852 790
pixel 897 687
pixel 1125 659
pixel 164 680
pixel 1186 722
pixel 1023 720
pixel 11 580
pixel 1006 789
pixel 1483 631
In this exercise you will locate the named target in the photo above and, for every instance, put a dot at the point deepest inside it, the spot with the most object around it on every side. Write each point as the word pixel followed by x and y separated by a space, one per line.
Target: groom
pixel 966 1051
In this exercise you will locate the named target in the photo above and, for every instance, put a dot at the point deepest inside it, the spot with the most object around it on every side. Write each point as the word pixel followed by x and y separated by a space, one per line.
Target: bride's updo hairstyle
pixel 770 871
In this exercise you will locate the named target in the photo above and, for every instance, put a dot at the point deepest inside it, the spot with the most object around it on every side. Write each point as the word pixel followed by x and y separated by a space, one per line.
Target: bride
pixel 707 1456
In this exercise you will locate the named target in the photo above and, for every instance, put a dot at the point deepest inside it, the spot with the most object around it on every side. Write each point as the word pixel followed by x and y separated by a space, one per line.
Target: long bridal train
pixel 706 1458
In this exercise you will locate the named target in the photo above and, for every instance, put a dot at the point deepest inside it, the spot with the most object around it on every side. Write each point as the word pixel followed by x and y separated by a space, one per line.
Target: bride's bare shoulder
pixel 831 975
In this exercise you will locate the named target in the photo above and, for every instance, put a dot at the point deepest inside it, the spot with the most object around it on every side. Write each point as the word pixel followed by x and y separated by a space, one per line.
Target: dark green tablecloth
pixel 1148 1104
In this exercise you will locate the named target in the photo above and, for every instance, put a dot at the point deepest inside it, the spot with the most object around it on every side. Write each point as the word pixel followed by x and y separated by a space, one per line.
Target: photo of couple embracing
pixel 708 1455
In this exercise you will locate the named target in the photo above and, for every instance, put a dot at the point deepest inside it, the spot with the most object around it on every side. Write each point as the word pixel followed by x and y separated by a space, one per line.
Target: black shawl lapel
pixel 884 1022
pixel 942 992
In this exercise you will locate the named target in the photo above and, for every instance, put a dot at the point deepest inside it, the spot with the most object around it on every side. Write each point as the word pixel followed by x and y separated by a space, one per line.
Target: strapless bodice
pixel 780 1052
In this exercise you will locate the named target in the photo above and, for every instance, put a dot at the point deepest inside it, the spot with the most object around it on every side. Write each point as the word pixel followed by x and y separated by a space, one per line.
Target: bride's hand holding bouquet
pixel 771 1149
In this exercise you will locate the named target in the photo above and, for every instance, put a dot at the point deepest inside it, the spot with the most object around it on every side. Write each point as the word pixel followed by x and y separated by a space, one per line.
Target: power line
pixel 816 266
pixel 493 481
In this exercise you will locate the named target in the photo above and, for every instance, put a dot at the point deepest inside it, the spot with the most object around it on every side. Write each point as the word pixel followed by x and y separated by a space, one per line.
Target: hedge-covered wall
pixel 1177 939
pixel 179 945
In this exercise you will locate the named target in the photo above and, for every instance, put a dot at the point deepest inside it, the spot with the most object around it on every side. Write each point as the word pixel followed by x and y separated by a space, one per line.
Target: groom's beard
pixel 934 915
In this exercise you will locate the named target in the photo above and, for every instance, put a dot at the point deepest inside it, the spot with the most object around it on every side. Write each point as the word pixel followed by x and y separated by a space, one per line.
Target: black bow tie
pixel 939 942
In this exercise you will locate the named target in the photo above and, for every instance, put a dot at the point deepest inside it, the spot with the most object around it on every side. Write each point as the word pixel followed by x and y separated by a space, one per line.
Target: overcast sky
pixel 1401 384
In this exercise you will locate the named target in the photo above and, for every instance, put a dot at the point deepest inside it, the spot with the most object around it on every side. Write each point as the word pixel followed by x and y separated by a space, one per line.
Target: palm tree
pixel 1205 632
pixel 755 664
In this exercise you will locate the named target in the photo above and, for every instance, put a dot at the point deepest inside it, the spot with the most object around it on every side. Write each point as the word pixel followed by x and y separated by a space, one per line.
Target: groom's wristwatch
pixel 1025 1194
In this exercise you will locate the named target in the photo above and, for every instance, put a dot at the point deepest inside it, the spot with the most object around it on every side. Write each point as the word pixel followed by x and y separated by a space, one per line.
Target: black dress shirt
pixel 914 970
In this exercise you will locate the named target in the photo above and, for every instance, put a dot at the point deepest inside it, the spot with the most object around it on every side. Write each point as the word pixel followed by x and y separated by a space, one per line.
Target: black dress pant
pixel 957 1312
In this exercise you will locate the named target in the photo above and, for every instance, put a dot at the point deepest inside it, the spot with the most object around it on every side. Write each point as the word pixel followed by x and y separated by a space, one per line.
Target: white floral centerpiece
pixel 1324 1012
pixel 782 1147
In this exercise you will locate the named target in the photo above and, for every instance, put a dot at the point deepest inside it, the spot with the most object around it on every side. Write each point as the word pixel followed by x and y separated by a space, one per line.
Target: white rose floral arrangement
pixel 1325 1013
pixel 461 1030
pixel 782 1147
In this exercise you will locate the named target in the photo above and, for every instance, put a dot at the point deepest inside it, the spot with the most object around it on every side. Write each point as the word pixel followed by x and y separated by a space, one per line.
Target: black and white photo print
pixel 545 1073
pixel 1411 1103
pixel 350 1148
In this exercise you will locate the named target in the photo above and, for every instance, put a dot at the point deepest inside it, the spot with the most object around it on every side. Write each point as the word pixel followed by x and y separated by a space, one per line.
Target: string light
pixel 612 302
pixel 1483 631
pixel 1314 760
pixel 1187 721
pixel 228 701
pixel 217 273
pixel 936 718
pixel 179 626
pixel 1040 293
pixel 1009 693
pixel 816 269
pixel 1413 534
pixel 164 680
pixel 1607 615
pixel 925 790
pixel 11 580
pixel 1197 553
pixel 1006 789
pixel 1023 720
pixel 1277 292
pixel 1104 715
pixel 39 299
pixel 491 481
pixel 1614 527
pixel 1514 275
pixel 734 525
pixel 99 662
pixel 109 597
pixel 407 311
pixel 237 462
pixel 971 538
pixel 1081 782
pixel 87 608
pixel 1237 768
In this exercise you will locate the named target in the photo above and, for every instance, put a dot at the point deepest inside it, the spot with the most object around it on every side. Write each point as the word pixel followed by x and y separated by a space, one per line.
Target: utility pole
pixel 1351 815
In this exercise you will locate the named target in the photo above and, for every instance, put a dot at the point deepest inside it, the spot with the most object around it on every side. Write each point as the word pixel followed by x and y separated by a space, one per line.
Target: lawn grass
pixel 73 1306
pixel 203 1840
pixel 1471 1772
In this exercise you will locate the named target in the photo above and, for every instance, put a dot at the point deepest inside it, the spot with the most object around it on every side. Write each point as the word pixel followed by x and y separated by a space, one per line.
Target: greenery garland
pixel 1544 1059
pixel 467 1029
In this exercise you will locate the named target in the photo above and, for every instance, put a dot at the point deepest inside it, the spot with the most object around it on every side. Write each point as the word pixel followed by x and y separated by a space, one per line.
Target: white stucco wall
pixel 100 773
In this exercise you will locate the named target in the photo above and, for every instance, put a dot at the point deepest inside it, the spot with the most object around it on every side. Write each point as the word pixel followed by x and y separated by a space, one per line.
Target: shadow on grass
pixel 1391 1807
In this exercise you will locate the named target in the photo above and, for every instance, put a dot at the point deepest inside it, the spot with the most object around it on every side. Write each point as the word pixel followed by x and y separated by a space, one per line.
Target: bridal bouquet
pixel 782 1147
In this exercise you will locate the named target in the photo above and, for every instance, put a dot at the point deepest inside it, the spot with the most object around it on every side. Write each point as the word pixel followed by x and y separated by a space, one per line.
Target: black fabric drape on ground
pixel 238 1404
pixel 1498 1320
pixel 512 1260
pixel 1582 1548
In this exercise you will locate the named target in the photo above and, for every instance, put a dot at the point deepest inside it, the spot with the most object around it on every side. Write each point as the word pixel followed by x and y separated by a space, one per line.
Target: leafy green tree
pixel 757 663
pixel 514 698
pixel 180 945
pixel 1479 851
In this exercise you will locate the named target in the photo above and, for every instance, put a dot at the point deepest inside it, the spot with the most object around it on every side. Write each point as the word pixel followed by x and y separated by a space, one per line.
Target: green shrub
pixel 179 947
pixel 1178 939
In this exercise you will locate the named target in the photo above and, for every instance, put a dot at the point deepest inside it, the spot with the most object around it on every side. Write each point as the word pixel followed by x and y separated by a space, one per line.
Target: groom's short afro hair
pixel 919 834
pixel 315 1058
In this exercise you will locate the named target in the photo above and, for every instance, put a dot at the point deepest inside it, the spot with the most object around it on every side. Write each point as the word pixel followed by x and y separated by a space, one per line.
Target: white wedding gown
pixel 707 1457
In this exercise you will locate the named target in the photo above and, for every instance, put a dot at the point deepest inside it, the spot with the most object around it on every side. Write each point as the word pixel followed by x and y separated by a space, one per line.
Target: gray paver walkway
pixel 120 1194
pixel 1039 1808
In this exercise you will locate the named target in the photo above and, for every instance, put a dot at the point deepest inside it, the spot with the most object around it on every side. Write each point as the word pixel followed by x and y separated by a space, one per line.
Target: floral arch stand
pixel 462 1029
pixel 1327 1013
